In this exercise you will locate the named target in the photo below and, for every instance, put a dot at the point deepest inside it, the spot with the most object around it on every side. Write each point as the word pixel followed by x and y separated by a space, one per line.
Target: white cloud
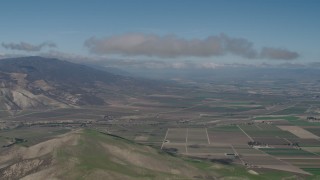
pixel 24 46
pixel 172 46
pixel 278 53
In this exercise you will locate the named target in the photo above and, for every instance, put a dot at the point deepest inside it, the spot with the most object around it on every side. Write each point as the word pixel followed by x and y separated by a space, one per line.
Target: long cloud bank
pixel 23 46
pixel 172 46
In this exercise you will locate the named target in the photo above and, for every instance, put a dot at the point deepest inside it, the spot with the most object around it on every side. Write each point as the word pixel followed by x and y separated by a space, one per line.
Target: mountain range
pixel 37 82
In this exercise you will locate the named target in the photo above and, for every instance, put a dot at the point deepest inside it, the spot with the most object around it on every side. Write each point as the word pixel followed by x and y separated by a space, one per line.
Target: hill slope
pixel 36 82
pixel 92 155
pixel 88 154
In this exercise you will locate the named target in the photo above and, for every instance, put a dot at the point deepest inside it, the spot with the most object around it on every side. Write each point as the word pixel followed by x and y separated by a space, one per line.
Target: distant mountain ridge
pixel 37 82
pixel 54 70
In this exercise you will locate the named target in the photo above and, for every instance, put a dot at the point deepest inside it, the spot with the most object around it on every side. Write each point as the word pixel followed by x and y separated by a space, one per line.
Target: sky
pixel 162 34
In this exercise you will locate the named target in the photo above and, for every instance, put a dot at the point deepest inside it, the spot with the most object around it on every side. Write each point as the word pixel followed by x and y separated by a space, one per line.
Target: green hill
pixel 88 154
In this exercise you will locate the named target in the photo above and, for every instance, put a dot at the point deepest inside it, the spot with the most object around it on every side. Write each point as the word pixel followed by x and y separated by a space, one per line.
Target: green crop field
pixel 288 118
pixel 286 152
pixel 254 131
pixel 292 110
pixel 315 131
pixel 226 128
pixel 314 171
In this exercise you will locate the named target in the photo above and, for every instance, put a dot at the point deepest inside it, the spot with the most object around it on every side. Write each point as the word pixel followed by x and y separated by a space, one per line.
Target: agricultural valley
pixel 98 125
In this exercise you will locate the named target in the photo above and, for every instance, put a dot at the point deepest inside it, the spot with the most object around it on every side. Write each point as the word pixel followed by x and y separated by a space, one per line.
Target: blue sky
pixel 289 29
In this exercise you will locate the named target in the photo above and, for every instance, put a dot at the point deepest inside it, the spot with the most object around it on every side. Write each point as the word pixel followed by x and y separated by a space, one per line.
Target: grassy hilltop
pixel 88 154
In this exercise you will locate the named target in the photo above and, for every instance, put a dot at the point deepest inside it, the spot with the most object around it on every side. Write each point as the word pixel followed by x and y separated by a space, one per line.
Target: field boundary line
pixel 165 137
pixel 236 153
pixel 245 133
pixel 208 136
pixel 187 140
pixel 286 140
pixel 258 127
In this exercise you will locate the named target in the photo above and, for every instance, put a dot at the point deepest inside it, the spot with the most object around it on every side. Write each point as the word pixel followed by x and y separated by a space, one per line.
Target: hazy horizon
pixel 166 34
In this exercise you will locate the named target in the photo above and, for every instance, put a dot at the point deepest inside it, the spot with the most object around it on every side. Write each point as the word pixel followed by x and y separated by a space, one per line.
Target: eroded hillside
pixel 39 83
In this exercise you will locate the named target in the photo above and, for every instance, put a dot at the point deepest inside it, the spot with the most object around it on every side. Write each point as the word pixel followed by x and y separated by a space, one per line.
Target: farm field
pixel 227 135
pixel 284 152
pixel 255 131
pixel 300 132
pixel 286 120
pixel 230 128
pixel 176 135
pixel 209 150
pixel 306 142
pixel 197 136
pixel 312 149
pixel 245 150
pixel 315 131
pixel 305 163
pixel 315 171
pixel 193 142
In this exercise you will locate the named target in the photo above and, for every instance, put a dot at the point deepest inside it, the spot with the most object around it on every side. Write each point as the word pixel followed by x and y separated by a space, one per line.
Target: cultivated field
pixel 300 132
